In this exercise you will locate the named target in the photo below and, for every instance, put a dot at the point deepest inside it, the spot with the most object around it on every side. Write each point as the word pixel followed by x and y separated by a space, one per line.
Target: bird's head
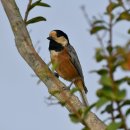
pixel 59 37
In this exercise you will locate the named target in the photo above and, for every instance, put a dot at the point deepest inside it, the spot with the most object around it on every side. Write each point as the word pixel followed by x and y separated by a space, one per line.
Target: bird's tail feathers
pixel 83 90
pixel 84 98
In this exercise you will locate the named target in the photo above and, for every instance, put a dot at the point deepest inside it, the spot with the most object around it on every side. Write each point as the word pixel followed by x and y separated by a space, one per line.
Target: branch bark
pixel 55 87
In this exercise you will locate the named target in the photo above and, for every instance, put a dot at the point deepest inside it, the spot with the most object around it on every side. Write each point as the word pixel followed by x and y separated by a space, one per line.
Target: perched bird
pixel 66 62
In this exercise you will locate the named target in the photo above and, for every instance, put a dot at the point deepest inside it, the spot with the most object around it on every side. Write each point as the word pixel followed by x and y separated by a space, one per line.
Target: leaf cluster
pixel 30 7
pixel 112 97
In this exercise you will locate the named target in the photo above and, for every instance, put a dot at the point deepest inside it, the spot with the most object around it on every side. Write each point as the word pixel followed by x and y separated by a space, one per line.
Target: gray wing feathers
pixel 76 63
pixel 75 60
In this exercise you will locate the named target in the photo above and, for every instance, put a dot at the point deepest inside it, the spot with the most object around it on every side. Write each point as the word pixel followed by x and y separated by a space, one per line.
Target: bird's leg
pixel 72 82
pixel 68 87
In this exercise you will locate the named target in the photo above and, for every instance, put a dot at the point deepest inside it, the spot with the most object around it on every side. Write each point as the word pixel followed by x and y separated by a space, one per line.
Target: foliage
pixel 30 7
pixel 112 98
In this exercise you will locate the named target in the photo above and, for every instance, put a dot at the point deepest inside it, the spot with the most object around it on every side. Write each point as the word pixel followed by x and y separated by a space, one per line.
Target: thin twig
pixel 99 38
pixel 27 11
pixel 122 117
pixel 114 87
pixel 110 28
pixel 123 6
pixel 110 42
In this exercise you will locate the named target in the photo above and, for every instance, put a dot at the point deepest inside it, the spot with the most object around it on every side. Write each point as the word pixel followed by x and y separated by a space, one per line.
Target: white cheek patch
pixel 65 42
pixel 62 41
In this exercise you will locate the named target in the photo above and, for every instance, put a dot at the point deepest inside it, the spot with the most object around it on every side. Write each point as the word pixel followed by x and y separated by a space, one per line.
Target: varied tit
pixel 64 57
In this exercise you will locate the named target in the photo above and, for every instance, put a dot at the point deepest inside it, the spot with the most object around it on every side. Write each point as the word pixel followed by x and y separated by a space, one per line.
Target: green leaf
pixel 129 31
pixel 125 103
pixel 35 20
pixel 81 112
pixel 120 95
pixel 123 80
pixel 120 81
pixel 43 4
pixel 34 4
pixel 98 22
pixel 74 90
pixel 88 109
pixel 54 66
pixel 96 29
pixel 114 125
pixel 118 116
pixel 100 72
pixel 85 128
pixel 38 3
pixel 127 112
pixel 99 55
pixel 101 102
pixel 124 16
pixel 74 118
pixel 109 48
pixel 108 109
pixel 106 92
pixel 55 92
pixel 106 81
pixel 112 6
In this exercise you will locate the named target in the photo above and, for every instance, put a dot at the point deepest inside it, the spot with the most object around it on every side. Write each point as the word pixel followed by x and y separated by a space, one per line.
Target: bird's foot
pixel 66 88
pixel 56 74
pixel 72 82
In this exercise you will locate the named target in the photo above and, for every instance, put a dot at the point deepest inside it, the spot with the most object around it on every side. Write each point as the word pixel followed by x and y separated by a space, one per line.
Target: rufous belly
pixel 63 65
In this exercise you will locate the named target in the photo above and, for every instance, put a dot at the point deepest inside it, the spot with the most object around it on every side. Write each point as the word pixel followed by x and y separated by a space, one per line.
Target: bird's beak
pixel 49 38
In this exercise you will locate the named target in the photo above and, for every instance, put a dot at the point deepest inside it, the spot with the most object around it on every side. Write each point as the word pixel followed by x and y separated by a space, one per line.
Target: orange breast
pixel 63 65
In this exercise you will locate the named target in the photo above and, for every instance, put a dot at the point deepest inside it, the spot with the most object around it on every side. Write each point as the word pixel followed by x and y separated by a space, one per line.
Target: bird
pixel 64 58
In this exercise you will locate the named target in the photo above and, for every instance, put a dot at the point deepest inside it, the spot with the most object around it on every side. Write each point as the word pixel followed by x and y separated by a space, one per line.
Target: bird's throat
pixel 55 46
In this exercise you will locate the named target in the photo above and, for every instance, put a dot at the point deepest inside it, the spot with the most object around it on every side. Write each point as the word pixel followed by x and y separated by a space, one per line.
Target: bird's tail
pixel 83 95
pixel 79 83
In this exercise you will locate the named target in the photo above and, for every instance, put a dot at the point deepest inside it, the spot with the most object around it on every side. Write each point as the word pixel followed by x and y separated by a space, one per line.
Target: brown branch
pixel 110 28
pixel 55 87
pixel 111 74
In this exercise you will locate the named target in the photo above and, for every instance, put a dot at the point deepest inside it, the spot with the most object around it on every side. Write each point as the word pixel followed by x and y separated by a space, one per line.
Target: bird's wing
pixel 75 60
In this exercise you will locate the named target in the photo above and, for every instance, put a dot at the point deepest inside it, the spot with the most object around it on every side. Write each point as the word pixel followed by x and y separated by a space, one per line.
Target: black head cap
pixel 61 33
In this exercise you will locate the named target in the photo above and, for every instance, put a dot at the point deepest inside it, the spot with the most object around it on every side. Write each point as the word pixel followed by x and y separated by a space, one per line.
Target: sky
pixel 22 101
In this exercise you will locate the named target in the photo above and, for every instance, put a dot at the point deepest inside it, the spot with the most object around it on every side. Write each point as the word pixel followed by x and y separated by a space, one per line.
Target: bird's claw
pixel 56 74
pixel 66 88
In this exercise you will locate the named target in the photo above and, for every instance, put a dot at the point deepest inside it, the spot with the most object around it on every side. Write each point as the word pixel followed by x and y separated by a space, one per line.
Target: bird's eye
pixel 58 35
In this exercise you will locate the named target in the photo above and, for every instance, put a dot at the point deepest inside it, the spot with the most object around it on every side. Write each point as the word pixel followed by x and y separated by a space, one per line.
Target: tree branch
pixel 55 87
